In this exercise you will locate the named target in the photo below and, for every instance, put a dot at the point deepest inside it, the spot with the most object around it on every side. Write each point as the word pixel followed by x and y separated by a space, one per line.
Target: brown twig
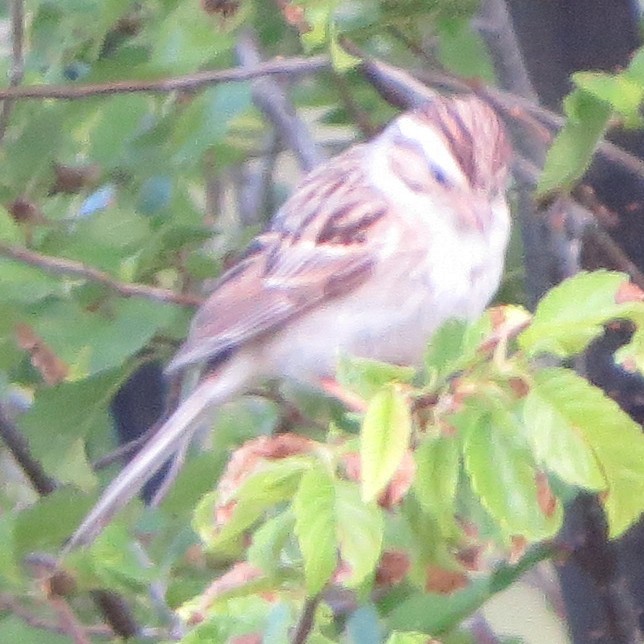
pixel 359 116
pixel 12 605
pixel 307 620
pixel 17 445
pixel 17 67
pixel 72 268
pixel 591 225
pixel 495 26
pixel 189 82
pixel 69 624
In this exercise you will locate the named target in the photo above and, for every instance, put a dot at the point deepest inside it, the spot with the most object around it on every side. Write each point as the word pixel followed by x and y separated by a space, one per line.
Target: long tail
pixel 178 428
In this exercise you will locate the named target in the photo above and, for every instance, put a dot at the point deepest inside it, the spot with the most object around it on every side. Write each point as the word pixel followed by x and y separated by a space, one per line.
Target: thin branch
pixel 17 445
pixel 403 89
pixel 10 604
pixel 17 67
pixel 272 100
pixel 296 66
pixel 68 622
pixel 307 620
pixel 189 82
pixel 359 116
pixel 495 26
pixel 121 452
pixel 72 268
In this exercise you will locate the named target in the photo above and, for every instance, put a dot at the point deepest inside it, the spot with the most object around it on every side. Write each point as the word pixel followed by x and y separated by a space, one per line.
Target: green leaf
pixel 116 562
pixel 624 94
pixel 315 527
pixel 454 347
pixel 118 228
pixel 10 570
pixel 63 415
pixel 275 482
pixel 445 349
pixel 572 150
pixel 224 620
pixel 360 528
pixel 462 50
pixel 615 438
pixel 341 60
pixel 367 377
pixel 573 313
pixel 384 439
pixel 407 637
pixel 434 613
pixel 269 540
pixel 119 119
pixel 207 119
pixel 90 342
pixel 21 284
pixel 9 231
pixel 32 151
pixel 503 475
pixel 636 67
pixel 318 17
pixel 558 444
pixel 187 38
pixel 437 471
pixel 14 629
pixel 48 522
pixel 197 477
pixel 439 614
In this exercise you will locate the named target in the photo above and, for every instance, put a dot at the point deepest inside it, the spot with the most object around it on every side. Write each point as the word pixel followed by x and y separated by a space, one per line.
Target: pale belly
pixel 391 318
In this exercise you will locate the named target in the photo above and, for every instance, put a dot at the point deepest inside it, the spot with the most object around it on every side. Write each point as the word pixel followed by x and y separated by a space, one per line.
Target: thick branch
pixel 272 100
pixel 71 268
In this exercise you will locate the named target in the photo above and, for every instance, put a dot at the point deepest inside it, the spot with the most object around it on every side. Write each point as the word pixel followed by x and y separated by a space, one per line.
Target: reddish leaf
pixel 248 459
pixel 443 581
pixel 52 369
pixel 399 485
pixel 250 638
pixel 629 292
pixel 393 566
pixel 517 549
pixel 546 499
pixel 240 575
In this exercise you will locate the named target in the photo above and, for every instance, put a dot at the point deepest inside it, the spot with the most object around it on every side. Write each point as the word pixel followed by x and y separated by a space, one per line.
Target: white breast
pixel 427 272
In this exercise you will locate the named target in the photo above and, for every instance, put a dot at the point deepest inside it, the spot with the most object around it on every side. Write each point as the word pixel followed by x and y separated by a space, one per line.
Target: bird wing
pixel 316 249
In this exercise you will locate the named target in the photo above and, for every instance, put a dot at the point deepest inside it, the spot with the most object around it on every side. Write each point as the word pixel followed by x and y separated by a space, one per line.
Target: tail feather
pixel 174 432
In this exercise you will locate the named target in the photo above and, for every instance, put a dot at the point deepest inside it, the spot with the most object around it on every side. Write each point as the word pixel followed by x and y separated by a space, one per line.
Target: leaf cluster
pixel 455 483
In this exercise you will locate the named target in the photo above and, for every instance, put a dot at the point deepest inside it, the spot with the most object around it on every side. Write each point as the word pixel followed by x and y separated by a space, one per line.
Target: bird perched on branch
pixel 374 250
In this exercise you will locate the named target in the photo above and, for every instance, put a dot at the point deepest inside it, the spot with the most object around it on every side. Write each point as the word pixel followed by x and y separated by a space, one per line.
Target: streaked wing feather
pixel 312 253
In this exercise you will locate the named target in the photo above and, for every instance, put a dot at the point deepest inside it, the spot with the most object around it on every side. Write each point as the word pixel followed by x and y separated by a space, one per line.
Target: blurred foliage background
pixel 141 149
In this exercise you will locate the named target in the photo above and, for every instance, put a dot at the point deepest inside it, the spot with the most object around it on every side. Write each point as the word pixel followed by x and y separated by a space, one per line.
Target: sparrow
pixel 374 250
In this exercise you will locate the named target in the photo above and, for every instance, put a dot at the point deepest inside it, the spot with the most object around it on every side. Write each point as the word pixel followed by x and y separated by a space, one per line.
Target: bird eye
pixel 439 175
